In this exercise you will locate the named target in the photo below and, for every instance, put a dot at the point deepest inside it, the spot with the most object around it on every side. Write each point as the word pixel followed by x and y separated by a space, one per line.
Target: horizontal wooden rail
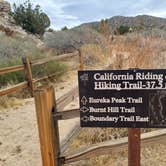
pixel 70 138
pixel 50 76
pixel 107 147
pixel 67 98
pixel 37 62
pixel 13 89
pixel 67 114
pixel 11 69
pixel 44 78
pixel 58 57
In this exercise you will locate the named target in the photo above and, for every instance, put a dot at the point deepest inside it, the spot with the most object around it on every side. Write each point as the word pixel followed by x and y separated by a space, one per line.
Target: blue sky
pixel 75 12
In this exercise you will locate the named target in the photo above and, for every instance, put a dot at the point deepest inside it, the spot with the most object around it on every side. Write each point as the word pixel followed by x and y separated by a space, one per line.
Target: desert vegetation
pixel 134 50
pixel 12 49
pixel 106 43
pixel 30 18
pixel 138 51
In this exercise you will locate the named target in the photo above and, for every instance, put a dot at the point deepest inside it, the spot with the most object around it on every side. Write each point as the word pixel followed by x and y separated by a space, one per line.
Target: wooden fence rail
pixel 67 114
pixel 113 146
pixel 26 67
pixel 14 89
pixel 38 62
pixel 11 69
pixel 58 57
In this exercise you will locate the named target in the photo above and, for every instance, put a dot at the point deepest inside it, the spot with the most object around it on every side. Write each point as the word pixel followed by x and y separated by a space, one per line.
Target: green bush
pixel 64 28
pixel 123 29
pixel 52 67
pixel 14 77
pixel 31 19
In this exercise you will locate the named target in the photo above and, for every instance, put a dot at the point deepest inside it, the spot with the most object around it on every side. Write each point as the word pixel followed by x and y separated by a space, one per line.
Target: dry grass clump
pixel 136 51
pixel 8 102
pixel 90 136
pixel 94 55
pixel 105 160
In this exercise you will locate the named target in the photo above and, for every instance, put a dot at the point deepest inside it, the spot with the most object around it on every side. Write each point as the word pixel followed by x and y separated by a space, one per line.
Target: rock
pixel 5 8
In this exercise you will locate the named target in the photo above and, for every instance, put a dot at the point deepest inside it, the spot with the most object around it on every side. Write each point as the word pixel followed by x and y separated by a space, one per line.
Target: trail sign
pixel 123 98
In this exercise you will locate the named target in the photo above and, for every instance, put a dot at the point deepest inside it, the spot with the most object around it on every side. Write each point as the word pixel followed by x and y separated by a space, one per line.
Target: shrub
pixel 14 77
pixel 73 39
pixel 31 19
pixel 16 47
pixel 64 28
pixel 52 67
pixel 123 29
pixel 38 71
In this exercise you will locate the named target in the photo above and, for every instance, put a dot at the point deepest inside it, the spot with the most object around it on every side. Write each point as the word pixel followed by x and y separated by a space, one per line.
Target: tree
pixel 123 29
pixel 64 28
pixel 31 19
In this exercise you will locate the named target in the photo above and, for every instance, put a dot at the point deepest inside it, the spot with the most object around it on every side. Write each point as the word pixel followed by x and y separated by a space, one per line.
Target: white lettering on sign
pixel 136 80
pixel 105 85
pixel 112 76
pixel 149 76
pixel 101 100
pixel 102 118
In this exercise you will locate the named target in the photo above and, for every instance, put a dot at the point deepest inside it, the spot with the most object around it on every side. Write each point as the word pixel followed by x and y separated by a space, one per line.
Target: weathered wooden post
pixel 47 126
pixel 81 62
pixel 134 146
pixel 28 74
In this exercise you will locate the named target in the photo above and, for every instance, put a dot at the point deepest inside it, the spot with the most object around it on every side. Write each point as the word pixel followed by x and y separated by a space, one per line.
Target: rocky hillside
pixel 15 42
pixel 140 21
pixel 87 33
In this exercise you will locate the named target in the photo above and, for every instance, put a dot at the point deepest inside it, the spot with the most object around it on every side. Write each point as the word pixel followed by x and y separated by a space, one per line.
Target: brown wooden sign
pixel 123 98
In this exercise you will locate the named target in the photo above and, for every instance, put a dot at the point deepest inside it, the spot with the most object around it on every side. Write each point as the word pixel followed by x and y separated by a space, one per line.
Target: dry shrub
pixel 94 55
pixel 89 136
pixel 138 52
pixel 8 102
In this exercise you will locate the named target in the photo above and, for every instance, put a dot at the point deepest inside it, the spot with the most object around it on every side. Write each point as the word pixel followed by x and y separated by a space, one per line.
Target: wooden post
pixel 80 60
pixel 134 147
pixel 47 126
pixel 28 74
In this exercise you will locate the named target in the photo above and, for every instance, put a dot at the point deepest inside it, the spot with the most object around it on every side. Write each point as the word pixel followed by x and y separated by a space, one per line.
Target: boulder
pixel 5 8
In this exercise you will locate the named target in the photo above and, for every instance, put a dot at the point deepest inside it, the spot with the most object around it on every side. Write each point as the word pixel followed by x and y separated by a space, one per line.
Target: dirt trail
pixel 19 142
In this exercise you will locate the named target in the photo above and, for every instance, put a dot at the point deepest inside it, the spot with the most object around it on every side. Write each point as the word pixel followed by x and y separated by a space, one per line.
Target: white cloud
pixel 74 12
pixel 54 10
pixel 161 13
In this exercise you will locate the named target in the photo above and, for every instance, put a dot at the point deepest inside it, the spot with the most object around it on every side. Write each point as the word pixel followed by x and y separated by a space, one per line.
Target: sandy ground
pixel 19 137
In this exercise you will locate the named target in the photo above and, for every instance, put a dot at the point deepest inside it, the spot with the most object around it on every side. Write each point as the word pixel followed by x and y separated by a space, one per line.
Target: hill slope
pixel 140 21
pixel 87 32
